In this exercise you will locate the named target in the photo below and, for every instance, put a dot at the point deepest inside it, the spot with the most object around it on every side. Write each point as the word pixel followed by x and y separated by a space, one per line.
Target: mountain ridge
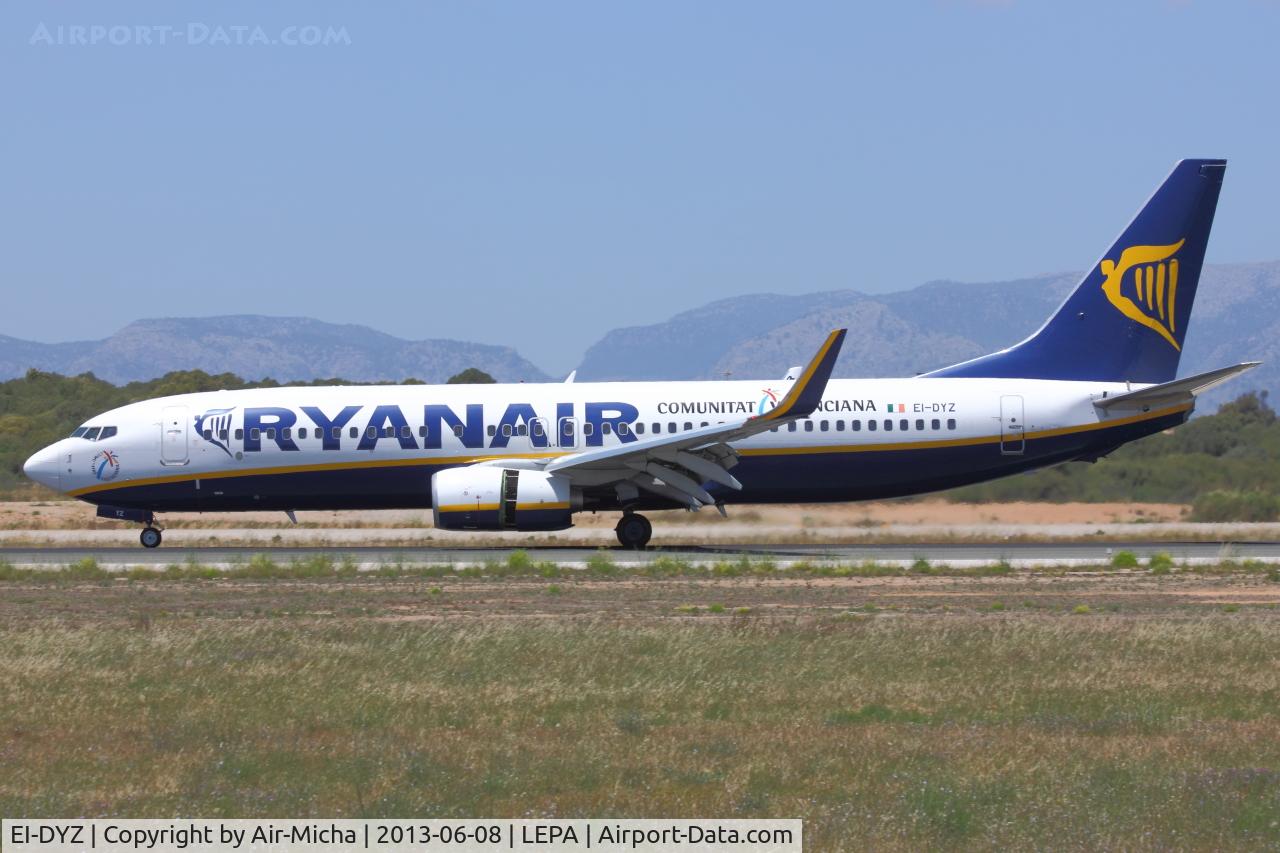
pixel 255 346
pixel 1236 318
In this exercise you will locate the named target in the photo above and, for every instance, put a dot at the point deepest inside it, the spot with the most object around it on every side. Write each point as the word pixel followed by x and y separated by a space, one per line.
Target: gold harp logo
pixel 1143 285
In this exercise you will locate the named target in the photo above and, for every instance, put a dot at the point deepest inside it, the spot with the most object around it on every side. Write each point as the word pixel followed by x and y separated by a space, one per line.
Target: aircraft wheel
pixel 150 537
pixel 634 531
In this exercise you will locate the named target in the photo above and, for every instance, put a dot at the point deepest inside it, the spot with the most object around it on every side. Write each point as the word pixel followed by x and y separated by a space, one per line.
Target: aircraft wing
pixel 674 466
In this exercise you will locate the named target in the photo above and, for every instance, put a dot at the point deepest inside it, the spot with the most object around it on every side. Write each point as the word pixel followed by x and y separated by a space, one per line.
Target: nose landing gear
pixel 634 531
pixel 150 537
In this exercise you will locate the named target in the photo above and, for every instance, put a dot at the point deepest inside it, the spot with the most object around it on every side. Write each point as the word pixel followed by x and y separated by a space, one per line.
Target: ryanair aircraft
pixel 1098 374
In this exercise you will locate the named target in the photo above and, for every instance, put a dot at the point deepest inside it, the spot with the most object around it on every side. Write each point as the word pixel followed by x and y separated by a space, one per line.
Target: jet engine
pixel 482 497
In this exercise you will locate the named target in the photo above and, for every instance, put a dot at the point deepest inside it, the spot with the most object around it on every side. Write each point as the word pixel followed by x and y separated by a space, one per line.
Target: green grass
pixel 1030 731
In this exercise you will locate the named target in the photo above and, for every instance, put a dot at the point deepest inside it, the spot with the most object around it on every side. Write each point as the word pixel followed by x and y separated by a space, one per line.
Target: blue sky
pixel 538 173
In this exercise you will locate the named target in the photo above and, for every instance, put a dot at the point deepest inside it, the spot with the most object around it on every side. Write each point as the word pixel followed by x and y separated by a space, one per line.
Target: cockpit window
pixel 107 432
pixel 79 432
pixel 92 433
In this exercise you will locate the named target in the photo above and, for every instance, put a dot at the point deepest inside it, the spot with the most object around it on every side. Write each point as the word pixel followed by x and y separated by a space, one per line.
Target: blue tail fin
pixel 1127 319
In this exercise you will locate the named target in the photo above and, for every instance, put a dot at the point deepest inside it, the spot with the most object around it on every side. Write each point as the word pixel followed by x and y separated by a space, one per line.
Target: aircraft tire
pixel 634 531
pixel 150 537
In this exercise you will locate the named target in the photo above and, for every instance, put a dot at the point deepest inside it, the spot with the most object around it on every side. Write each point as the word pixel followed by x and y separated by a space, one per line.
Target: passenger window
pixel 671 427
pixel 871 425
pixel 687 426
pixel 255 434
pixel 604 428
pixel 774 429
pixel 808 426
pixel 704 423
pixel 920 423
pixel 302 432
pixel 284 433
pixel 207 435
pixel 904 424
pixel 888 425
pixel 657 428
pixel 388 432
pixel 936 424
pixel 271 433
pixel 951 423
pixel 354 432
pixel 458 430
pixel 405 432
pixel 336 432
pixel 493 430
pixel 856 426
pixel 371 432
pixel 522 429
pixel 624 429
pixel 587 428
pixel 222 435
pixel 92 433
pixel 824 426
pixel 791 427
pixel 506 430
pixel 839 426
pixel 107 432
pixel 537 429
pixel 640 429
pixel 239 434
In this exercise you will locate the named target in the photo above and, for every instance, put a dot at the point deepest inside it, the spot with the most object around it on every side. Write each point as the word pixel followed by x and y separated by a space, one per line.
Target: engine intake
pixel 489 498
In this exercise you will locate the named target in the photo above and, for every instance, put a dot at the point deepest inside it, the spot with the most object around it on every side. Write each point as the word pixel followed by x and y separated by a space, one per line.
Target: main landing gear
pixel 150 537
pixel 634 531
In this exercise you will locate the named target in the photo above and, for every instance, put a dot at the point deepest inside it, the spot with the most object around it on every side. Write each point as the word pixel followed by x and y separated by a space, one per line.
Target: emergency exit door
pixel 173 435
pixel 1013 438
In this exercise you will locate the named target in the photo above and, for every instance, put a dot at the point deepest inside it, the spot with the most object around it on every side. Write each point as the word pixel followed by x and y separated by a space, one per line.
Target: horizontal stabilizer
pixel 1178 389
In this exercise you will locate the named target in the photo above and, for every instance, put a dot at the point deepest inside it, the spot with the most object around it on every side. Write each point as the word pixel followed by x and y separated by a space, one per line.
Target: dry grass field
pixel 1119 710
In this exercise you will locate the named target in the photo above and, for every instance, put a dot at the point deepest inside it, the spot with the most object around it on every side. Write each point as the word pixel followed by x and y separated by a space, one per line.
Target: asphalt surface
pixel 1043 553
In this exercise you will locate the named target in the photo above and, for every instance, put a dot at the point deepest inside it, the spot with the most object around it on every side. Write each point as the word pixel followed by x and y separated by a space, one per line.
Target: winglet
pixel 806 393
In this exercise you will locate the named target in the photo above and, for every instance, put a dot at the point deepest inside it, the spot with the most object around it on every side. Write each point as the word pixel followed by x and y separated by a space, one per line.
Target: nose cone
pixel 44 469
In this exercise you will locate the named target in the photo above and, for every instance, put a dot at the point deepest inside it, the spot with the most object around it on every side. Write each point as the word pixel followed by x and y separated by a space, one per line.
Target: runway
pixel 1016 553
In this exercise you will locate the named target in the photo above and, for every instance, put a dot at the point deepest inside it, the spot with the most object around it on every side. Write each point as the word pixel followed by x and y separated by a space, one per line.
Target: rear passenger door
pixel 1013 439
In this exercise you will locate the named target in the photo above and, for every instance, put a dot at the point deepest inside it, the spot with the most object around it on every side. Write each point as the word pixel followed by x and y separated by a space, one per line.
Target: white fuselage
pixel 312 447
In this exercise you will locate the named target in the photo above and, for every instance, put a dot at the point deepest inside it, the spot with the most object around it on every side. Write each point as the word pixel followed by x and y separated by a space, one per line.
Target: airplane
pixel 528 457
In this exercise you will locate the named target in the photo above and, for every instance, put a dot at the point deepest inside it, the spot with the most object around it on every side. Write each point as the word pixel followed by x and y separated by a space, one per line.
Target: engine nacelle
pixel 481 497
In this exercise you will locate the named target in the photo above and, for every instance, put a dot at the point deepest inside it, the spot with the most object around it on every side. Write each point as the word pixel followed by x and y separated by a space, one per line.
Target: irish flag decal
pixel 896 407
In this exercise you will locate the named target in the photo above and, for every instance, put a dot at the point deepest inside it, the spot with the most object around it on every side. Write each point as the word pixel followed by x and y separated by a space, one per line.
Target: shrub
pixel 1081 610
pixel 87 569
pixel 1160 564
pixel 1236 506
pixel 1124 560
